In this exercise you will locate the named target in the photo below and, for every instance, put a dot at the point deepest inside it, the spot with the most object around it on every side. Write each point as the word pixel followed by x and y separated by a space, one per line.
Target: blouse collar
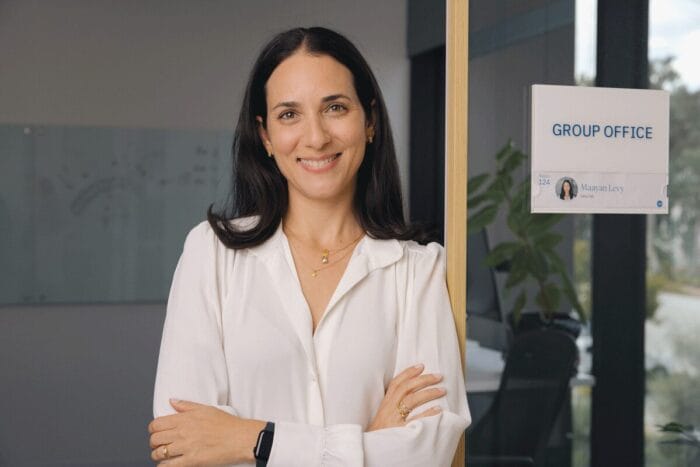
pixel 378 253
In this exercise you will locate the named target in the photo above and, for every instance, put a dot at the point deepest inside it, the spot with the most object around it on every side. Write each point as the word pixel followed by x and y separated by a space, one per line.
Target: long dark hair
pixel 562 193
pixel 258 187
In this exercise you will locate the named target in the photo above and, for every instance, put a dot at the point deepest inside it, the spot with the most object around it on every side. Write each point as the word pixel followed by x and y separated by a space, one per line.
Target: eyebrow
pixel 292 104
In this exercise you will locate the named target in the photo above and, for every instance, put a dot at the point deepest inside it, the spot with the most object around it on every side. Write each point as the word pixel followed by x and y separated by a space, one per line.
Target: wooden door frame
pixel 456 144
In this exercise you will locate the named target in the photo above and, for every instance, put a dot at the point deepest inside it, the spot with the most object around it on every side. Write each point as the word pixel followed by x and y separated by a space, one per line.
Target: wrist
pixel 263 447
pixel 253 429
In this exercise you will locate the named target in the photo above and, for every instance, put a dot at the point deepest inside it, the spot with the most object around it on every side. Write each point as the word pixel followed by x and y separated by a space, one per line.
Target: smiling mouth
pixel 318 163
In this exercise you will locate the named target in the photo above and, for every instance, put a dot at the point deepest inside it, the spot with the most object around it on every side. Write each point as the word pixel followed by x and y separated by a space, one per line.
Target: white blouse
pixel 238 335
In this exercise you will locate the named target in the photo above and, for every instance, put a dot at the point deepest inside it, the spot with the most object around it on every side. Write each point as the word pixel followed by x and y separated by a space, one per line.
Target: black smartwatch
pixel 264 445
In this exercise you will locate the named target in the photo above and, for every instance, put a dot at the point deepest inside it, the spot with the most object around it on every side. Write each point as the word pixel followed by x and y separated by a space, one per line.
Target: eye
pixel 287 115
pixel 336 107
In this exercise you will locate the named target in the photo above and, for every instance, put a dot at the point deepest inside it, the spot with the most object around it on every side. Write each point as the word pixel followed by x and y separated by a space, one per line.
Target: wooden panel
pixel 456 106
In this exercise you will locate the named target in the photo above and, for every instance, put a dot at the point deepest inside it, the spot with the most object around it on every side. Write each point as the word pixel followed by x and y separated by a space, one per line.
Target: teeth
pixel 316 164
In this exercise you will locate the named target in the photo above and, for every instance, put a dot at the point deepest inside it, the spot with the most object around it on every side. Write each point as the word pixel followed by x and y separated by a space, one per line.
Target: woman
pixel 304 323
pixel 566 193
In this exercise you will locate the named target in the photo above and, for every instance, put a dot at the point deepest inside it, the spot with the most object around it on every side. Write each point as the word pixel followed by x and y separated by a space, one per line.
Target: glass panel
pixel 83 211
pixel 512 46
pixel 673 280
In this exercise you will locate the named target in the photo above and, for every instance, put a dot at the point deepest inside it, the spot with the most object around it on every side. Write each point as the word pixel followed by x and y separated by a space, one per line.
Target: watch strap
pixel 263 446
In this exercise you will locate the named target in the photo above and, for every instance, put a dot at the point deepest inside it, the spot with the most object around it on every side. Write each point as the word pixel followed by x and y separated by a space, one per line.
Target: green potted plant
pixel 531 256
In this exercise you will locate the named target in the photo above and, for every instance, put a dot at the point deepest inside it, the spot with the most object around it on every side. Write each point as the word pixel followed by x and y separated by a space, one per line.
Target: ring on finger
pixel 165 452
pixel 403 410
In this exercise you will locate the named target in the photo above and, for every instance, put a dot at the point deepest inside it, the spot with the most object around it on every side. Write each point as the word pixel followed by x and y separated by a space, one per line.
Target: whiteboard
pixel 100 214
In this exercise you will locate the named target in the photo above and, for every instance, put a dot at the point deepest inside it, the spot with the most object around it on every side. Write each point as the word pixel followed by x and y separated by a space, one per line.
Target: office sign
pixel 599 150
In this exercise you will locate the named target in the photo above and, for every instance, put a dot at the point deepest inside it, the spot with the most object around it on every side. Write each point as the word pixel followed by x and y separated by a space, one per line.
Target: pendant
pixel 324 256
pixel 315 273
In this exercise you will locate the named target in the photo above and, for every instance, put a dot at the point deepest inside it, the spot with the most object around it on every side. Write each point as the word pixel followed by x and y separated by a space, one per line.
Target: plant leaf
pixel 518 212
pixel 515 277
pixel 482 218
pixel 503 252
pixel 518 270
pixel 505 150
pixel 517 222
pixel 522 196
pixel 556 261
pixel 541 223
pixel 537 265
pixel 495 192
pixel 493 195
pixel 567 286
pixel 476 201
pixel 547 240
pixel 518 305
pixel 513 161
pixel 475 183
pixel 548 298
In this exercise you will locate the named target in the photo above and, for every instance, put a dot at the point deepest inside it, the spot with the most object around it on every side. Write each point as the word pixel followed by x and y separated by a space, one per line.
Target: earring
pixel 270 155
pixel 370 135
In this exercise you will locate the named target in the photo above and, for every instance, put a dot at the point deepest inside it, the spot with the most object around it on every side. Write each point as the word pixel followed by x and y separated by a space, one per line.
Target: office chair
pixel 516 428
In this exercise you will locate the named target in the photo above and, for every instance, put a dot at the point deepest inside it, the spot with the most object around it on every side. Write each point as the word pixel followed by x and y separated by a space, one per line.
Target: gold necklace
pixel 326 252
pixel 316 271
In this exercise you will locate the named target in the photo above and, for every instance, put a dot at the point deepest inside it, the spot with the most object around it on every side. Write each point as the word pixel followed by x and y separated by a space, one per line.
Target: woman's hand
pixel 202 435
pixel 406 392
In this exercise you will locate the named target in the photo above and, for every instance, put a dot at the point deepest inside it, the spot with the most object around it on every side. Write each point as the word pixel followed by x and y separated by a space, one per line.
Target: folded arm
pixel 192 367
pixel 426 335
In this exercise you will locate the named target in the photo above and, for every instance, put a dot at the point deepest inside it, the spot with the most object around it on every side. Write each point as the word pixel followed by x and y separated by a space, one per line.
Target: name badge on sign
pixel 599 150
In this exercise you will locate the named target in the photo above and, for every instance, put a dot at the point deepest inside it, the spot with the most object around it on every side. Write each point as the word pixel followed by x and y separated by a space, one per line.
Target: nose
pixel 317 135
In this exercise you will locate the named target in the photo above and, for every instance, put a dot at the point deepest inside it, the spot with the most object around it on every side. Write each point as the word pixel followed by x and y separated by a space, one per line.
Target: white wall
pixel 174 63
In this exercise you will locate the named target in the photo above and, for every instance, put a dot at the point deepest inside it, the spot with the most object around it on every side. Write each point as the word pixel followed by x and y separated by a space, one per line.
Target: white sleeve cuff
pixel 302 445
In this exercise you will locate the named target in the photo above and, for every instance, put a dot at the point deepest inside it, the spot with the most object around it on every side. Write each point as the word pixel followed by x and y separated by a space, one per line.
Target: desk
pixel 485 366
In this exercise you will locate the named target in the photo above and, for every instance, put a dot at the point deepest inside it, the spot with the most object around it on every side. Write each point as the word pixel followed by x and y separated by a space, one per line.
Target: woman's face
pixel 567 187
pixel 316 127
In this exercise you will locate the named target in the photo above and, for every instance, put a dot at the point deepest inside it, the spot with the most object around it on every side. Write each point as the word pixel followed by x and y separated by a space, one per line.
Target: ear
pixel 372 120
pixel 262 132
pixel 371 123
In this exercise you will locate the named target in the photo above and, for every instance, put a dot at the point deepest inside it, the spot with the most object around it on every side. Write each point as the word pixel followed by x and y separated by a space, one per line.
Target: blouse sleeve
pixel 191 363
pixel 191 366
pixel 426 335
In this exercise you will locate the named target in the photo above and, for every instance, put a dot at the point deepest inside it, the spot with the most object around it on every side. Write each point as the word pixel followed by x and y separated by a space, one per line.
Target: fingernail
pixel 437 409
pixel 419 366
pixel 174 401
pixel 442 390
pixel 437 375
